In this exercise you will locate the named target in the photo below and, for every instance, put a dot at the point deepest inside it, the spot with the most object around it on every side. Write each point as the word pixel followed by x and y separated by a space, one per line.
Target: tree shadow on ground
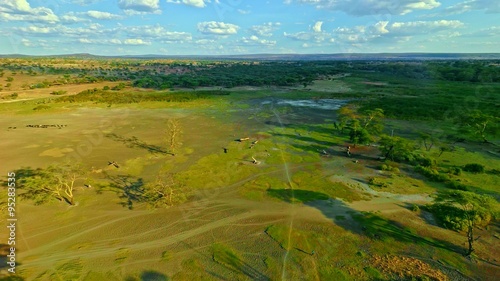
pixel 20 174
pixel 11 278
pixel 323 148
pixel 4 251
pixel 366 224
pixel 296 195
pixel 232 263
pixel 134 142
pixel 151 275
pixel 129 189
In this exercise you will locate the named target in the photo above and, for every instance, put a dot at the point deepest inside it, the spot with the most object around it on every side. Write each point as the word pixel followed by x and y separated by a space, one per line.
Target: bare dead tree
pixel 173 135
pixel 164 191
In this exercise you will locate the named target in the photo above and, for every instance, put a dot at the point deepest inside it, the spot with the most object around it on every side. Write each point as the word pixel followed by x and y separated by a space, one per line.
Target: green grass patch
pixel 373 273
pixel 70 271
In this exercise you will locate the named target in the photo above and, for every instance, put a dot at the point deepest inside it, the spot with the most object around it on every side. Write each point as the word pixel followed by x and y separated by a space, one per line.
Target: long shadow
pixel 128 188
pixel 134 142
pixel 304 138
pixel 232 263
pixel 20 175
pixel 366 224
pixel 296 195
pixel 235 264
pixel 12 278
pixel 151 275
pixel 4 251
pixel 330 148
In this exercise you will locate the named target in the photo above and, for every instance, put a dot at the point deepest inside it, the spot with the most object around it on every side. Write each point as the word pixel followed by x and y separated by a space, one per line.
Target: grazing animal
pixel 225 149
pixel 255 161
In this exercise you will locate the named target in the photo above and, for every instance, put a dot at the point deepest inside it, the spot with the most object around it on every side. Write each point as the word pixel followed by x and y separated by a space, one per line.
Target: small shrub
pixel 41 107
pixel 474 168
pixel 415 208
pixel 455 171
pixel 425 161
pixel 390 166
pixel 456 185
pixel 373 273
pixel 57 93
pixel 494 172
pixel 106 88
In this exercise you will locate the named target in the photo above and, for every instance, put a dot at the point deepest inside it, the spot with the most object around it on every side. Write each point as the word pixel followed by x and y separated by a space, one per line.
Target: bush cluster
pixel 453 217
pixel 474 168
pixel 434 175
pixel 100 96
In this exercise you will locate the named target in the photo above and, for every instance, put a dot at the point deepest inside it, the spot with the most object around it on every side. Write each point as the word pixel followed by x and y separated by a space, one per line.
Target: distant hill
pixel 291 57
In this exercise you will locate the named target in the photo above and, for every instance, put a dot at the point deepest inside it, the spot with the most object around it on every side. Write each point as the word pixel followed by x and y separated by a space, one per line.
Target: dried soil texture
pixel 406 268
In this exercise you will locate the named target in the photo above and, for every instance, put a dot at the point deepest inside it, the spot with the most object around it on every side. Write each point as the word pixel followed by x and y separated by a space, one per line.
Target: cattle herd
pixel 41 126
pixel 46 126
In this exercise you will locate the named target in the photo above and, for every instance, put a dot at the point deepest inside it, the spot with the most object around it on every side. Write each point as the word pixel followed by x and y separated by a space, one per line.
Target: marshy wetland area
pixel 156 169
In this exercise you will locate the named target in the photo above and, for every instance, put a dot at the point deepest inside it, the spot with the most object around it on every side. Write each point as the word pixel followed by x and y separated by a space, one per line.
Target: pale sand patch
pixel 32 146
pixel 56 152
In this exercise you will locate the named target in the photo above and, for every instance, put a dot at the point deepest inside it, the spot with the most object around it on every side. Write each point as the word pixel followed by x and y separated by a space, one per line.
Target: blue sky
pixel 224 27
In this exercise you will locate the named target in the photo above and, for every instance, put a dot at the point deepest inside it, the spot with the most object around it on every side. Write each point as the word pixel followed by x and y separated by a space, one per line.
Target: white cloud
pixel 136 41
pixel 490 6
pixel 139 6
pixel 84 2
pixel 217 28
pixel 265 29
pixel 492 31
pixel 157 32
pixel 26 42
pixel 309 36
pixel 38 44
pixel 380 27
pixel 100 41
pixel 71 17
pixel 243 12
pixel 419 27
pixel 204 41
pixel 194 3
pixel 254 40
pixel 317 26
pixel 92 30
pixel 371 7
pixel 20 10
pixel 102 15
pixel 395 32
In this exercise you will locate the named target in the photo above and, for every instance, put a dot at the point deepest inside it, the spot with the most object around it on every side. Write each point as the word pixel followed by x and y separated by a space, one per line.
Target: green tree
pixel 54 182
pixel 479 125
pixel 372 121
pixel 427 140
pixel 346 115
pixel 358 134
pixel 397 148
pixel 470 208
